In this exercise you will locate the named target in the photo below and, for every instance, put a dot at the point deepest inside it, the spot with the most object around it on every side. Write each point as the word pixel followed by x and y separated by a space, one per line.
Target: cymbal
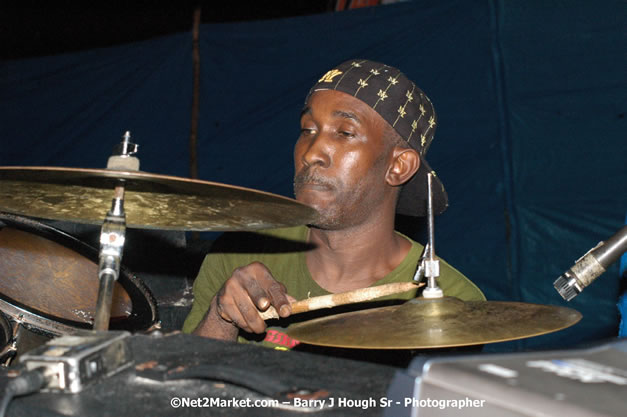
pixel 151 201
pixel 434 323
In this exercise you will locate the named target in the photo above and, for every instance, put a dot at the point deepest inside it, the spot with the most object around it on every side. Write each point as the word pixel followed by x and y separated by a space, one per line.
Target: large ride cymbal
pixel 151 201
pixel 434 323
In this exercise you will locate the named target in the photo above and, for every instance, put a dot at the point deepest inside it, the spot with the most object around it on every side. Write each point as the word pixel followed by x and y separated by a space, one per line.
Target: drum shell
pixel 49 282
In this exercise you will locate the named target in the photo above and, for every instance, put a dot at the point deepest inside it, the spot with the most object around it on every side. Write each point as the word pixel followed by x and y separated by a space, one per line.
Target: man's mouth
pixel 313 186
pixel 311 182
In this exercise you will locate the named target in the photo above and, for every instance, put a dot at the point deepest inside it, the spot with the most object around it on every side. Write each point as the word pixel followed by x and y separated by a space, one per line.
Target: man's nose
pixel 317 151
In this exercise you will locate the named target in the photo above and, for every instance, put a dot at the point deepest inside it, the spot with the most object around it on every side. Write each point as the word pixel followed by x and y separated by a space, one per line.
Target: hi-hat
pixel 434 323
pixel 151 201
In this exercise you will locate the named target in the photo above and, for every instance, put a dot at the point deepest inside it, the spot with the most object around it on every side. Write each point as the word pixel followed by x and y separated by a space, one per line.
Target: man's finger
pixel 279 299
pixel 250 314
pixel 257 294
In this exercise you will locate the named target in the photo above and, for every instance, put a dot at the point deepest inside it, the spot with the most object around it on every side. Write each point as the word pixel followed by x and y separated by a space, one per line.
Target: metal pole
pixel 432 265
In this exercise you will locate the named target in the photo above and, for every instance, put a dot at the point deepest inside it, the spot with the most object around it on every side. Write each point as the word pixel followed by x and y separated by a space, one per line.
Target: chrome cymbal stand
pixel 112 233
pixel 428 265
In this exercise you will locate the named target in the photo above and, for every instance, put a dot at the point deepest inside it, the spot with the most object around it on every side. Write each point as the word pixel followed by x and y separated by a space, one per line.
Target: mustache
pixel 309 177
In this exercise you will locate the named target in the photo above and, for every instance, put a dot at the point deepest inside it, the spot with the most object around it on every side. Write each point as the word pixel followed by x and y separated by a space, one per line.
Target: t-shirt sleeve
pixel 455 284
pixel 211 276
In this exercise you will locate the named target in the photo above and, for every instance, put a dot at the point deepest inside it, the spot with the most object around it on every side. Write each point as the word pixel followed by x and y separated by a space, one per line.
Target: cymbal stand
pixel 428 265
pixel 112 234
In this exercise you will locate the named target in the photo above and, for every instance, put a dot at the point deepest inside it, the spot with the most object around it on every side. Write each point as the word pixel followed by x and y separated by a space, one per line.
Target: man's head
pixel 404 119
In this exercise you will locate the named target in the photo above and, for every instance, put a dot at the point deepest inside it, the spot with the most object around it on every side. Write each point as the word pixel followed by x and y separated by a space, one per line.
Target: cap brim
pixel 412 200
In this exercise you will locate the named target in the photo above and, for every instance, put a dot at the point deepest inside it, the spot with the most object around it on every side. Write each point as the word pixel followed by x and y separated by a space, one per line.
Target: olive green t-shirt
pixel 283 251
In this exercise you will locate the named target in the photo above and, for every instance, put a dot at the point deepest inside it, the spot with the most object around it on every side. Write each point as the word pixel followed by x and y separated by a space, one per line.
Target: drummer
pixel 359 160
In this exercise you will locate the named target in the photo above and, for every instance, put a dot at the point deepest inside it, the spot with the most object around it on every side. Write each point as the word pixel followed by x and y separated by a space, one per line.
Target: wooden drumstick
pixel 348 297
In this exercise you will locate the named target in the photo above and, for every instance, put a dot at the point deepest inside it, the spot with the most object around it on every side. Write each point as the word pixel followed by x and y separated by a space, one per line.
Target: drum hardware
pixel 9 341
pixel 140 200
pixel 428 265
pixel 111 247
pixel 162 202
pixel 48 288
pixel 7 354
pixel 68 364
pixel 24 340
pixel 433 321
pixel 191 367
pixel 18 339
pixel 112 233
pixel 72 362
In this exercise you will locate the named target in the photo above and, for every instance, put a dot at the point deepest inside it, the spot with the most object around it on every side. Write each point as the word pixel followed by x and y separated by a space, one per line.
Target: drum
pixel 49 283
pixel 6 340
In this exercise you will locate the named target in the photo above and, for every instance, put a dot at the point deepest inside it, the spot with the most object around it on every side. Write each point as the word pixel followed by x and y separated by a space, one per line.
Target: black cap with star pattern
pixel 406 108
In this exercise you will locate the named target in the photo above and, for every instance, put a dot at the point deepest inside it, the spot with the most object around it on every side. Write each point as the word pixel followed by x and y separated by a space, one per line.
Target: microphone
pixel 591 265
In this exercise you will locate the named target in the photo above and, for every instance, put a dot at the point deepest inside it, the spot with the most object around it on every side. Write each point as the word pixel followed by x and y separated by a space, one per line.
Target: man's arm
pixel 249 290
pixel 214 326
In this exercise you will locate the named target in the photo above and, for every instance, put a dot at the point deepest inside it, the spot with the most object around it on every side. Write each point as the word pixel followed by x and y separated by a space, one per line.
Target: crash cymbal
pixel 151 201
pixel 434 323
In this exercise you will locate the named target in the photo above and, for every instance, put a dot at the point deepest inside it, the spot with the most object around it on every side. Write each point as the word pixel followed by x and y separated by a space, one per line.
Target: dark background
pixel 36 29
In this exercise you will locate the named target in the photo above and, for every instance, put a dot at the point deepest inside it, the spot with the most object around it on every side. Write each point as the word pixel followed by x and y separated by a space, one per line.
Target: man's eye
pixel 346 134
pixel 306 131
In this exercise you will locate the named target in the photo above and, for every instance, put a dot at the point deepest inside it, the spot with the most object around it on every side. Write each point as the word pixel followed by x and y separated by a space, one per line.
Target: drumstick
pixel 348 297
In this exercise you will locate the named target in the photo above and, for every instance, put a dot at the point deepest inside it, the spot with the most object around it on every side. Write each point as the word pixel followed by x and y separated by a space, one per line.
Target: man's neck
pixel 356 257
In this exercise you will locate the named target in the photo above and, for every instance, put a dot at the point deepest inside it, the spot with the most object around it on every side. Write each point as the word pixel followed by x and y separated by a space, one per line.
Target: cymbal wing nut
pixel 432 268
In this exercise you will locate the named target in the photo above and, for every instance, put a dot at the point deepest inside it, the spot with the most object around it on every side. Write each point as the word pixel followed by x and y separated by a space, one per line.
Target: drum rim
pixel 144 311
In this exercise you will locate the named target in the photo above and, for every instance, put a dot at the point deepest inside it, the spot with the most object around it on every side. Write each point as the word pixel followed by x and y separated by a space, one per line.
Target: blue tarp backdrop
pixel 531 142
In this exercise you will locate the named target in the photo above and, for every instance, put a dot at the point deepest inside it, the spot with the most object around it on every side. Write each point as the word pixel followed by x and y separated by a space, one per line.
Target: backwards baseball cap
pixel 406 108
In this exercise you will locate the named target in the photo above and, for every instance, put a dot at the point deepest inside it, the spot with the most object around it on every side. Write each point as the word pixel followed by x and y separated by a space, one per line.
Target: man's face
pixel 340 159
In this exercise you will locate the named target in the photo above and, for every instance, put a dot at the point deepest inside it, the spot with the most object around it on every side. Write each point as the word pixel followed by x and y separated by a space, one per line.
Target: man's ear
pixel 405 162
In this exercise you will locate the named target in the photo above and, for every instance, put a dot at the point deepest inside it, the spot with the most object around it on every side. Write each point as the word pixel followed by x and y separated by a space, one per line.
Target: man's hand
pixel 248 291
